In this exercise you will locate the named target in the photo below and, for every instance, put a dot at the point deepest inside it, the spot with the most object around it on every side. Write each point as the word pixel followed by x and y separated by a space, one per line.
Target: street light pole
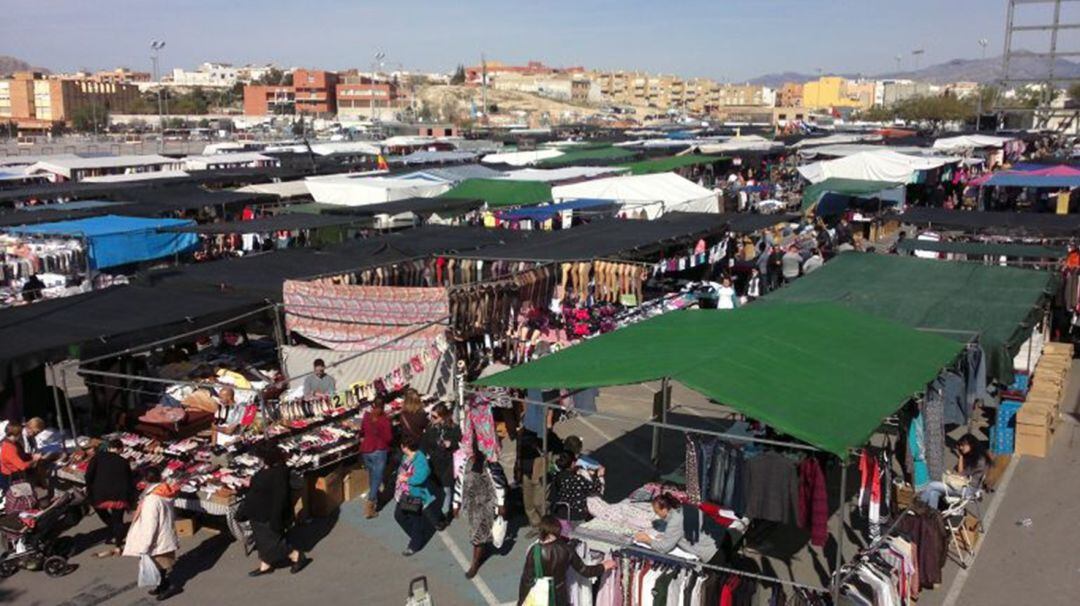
pixel 983 42
pixel 155 48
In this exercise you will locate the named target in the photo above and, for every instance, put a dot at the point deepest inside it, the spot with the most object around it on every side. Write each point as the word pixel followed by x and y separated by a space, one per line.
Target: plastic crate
pixel 1003 434
pixel 1021 381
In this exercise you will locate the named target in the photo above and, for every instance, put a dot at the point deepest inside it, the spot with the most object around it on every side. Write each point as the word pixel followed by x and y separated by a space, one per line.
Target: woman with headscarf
pixel 153 531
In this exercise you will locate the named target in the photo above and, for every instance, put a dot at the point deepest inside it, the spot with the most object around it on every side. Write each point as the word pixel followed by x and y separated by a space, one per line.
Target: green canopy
pixel 577 156
pixel 498 193
pixel 1002 249
pixel 309 208
pixel 850 187
pixel 960 300
pixel 666 165
pixel 821 373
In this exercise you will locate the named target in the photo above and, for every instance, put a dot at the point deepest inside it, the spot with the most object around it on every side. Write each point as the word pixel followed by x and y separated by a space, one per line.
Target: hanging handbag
pixel 411 504
pixel 542 592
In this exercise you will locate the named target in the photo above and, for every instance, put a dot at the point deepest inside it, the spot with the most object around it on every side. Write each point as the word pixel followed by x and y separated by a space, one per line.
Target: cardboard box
pixel 356 483
pixel 301 501
pixel 1036 413
pixel 905 495
pixel 968 534
pixel 326 494
pixel 1033 440
pixel 186 527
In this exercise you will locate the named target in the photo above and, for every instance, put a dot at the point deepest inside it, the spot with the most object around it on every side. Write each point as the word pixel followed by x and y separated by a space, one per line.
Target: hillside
pixel 449 101
pixel 9 64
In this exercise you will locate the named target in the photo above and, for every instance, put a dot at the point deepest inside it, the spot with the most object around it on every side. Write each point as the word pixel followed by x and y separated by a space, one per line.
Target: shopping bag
pixel 149 575
pixel 419 596
pixel 542 592
pixel 498 532
pixel 19 497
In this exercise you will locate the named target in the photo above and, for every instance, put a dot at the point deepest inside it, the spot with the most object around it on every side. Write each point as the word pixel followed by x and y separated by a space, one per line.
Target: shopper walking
pixel 414 511
pixel 551 556
pixel 110 488
pixel 440 441
pixel 482 499
pixel 531 466
pixel 377 434
pixel 268 507
pixel 153 531
pixel 413 421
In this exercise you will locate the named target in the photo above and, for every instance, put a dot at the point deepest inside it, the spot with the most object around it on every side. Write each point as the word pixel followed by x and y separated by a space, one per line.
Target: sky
pixel 729 40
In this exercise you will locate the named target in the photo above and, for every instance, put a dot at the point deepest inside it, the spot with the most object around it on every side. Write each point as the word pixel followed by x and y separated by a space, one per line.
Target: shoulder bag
pixel 542 592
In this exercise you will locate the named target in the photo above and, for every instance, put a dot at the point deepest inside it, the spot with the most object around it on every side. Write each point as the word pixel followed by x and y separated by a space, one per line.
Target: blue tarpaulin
pixel 543 213
pixel 116 240
pixel 1025 180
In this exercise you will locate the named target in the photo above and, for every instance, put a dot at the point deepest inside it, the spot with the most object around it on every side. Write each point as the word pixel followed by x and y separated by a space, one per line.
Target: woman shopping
pixel 268 507
pixel 377 434
pixel 110 489
pixel 153 531
pixel 481 500
pixel 414 511
pixel 440 441
pixel 551 556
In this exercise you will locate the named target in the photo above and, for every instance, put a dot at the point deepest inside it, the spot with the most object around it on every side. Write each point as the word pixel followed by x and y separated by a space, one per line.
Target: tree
pixel 90 119
pixel 935 110
pixel 459 75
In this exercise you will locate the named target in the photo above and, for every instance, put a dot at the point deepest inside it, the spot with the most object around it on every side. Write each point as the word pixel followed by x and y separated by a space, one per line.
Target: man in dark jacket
pixel 110 488
pixel 556 557
pixel 269 509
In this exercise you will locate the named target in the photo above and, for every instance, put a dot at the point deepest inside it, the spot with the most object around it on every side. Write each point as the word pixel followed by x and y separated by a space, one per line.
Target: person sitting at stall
pixel 971 465
pixel 38 438
pixel 268 507
pixel 228 418
pixel 110 489
pixel 319 383
pixel 413 420
pixel 672 537
pixel 573 485
pixel 551 556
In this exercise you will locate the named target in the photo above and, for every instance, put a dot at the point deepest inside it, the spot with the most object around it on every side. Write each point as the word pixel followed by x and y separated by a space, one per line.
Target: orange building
pixel 34 102
pixel 263 100
pixel 790 95
pixel 361 96
pixel 316 91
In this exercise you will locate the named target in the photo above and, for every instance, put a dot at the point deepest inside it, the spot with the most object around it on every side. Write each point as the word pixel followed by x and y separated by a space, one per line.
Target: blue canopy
pixel 114 240
pixel 1024 180
pixel 543 213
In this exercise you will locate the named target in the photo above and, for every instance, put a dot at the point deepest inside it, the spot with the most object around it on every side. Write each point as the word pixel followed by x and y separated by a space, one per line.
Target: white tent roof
pixel 747 143
pixel 523 158
pixel 566 173
pixel 835 139
pixel 884 165
pixel 656 194
pixel 207 160
pixel 126 178
pixel 282 189
pixel 842 150
pixel 970 142
pixel 65 166
pixel 361 191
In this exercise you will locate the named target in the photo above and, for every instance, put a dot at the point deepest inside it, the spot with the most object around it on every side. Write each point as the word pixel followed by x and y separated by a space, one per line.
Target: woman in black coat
pixel 269 509
pixel 441 439
pixel 556 558
pixel 110 487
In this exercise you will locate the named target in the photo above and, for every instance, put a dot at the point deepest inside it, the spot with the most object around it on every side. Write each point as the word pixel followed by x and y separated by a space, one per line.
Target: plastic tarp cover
pixel 894 192
pixel 961 300
pixel 1034 179
pixel 655 194
pixel 522 158
pixel 116 240
pixel 361 191
pixel 970 142
pixel 996 222
pixel 841 372
pixel 498 193
pixel 1003 249
pixel 588 156
pixel 568 173
pixel 881 165
pixel 663 165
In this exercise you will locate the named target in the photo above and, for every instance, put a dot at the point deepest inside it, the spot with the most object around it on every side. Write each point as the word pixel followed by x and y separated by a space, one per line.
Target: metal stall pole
pixel 543 457
pixel 661 405
pixel 67 401
pixel 279 336
pixel 56 399
pixel 838 561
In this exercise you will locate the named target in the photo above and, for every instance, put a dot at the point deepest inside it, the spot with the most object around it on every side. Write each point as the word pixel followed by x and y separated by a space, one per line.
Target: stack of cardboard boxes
pixel 1038 417
pixel 322 495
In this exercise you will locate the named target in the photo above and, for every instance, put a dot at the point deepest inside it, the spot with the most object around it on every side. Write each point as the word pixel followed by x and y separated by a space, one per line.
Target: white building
pixel 208 75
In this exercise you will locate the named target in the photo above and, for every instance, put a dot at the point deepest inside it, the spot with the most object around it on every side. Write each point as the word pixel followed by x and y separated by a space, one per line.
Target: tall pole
pixel 983 42
pixel 483 83
pixel 156 47
pixel 841 514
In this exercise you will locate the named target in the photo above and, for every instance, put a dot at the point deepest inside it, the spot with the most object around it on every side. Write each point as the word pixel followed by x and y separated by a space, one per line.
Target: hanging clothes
pixel 771 486
pixel 813 501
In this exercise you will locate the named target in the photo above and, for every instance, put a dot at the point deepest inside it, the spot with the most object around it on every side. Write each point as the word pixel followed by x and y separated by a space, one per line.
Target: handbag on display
pixel 542 592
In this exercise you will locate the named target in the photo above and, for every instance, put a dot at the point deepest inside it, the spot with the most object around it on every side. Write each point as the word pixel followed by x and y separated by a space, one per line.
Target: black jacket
pixel 267 500
pixel 556 558
pixel 439 457
pixel 109 478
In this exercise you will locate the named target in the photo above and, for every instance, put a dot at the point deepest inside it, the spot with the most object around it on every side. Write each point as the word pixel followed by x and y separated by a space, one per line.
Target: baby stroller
pixel 33 539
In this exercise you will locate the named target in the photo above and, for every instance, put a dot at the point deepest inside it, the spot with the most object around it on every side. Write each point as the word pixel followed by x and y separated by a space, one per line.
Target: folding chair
pixel 962 539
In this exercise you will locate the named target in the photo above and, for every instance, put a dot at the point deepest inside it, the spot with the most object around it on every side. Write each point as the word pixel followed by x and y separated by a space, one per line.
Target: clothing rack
pixel 699 565
pixel 844 573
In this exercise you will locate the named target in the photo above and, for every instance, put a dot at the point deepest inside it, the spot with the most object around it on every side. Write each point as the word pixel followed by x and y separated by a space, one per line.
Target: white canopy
pixel 522 158
pixel 360 191
pixel 884 165
pixel 567 173
pixel 281 189
pixel 970 142
pixel 228 160
pixel 655 194
pixel 747 143
pixel 837 139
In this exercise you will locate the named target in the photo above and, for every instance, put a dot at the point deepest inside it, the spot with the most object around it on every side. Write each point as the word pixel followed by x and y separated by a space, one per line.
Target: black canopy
pixel 272 223
pixel 420 206
pixel 1014 223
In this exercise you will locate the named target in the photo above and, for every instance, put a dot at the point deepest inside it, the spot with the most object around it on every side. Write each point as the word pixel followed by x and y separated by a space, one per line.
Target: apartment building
pixel 572 88
pixel 207 75
pixel 474 75
pixel 35 102
pixel 120 75
pixel 361 96
pixel 316 92
pixel 263 100
pixel 829 92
